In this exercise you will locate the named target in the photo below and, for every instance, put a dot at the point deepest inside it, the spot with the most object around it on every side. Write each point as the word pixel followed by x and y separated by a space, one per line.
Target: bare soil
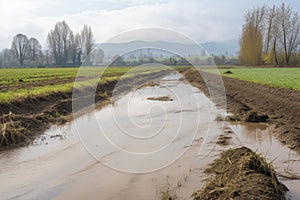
pixel 223 140
pixel 248 101
pixel 22 120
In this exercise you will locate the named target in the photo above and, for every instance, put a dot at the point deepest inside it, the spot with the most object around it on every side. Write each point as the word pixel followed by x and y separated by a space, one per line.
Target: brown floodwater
pixel 136 148
pixel 286 162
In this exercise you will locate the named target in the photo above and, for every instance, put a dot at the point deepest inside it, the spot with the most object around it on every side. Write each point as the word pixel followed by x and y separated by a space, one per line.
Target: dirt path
pixel 282 106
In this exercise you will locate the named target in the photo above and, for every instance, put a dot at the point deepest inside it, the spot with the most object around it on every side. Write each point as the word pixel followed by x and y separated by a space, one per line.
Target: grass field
pixel 17 84
pixel 288 78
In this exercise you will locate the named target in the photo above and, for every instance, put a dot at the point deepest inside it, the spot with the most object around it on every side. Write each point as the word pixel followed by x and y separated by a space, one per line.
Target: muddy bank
pixel 57 168
pixel 251 102
pixel 241 174
pixel 22 120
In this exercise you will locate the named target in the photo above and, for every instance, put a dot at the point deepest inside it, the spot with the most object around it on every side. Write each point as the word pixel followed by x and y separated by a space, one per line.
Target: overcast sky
pixel 201 20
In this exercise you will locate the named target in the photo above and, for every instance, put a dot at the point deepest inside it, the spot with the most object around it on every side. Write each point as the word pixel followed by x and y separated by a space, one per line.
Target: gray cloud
pixel 203 21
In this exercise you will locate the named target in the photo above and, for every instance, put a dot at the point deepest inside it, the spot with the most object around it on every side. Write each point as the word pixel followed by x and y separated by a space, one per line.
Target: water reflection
pixel 260 138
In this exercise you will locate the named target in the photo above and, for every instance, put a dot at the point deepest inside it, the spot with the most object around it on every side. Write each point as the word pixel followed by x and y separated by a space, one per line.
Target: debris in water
pixel 254 117
pixel 163 98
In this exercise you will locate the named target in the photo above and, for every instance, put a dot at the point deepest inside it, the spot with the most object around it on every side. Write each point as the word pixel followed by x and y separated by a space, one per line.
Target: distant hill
pixel 218 48
pixel 213 48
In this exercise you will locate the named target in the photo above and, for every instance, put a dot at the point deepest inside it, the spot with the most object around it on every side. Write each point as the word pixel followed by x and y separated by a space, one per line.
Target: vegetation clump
pixel 12 131
pixel 163 98
pixel 255 117
pixel 241 174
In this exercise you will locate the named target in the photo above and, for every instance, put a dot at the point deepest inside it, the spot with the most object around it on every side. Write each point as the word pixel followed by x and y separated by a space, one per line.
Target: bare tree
pixel 75 48
pixel 47 57
pixel 97 56
pixel 19 46
pixel 290 29
pixel 34 49
pixel 87 41
pixel 8 57
pixel 59 41
pixel 275 37
pixel 270 20
pixel 1 59
pixel 279 29
pixel 41 57
pixel 255 17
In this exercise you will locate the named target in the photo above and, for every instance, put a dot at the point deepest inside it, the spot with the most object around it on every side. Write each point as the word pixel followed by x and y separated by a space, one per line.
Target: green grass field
pixel 15 77
pixel 18 84
pixel 288 78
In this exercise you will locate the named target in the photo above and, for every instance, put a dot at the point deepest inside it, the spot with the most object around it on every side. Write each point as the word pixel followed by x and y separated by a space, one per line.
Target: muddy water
pixel 286 162
pixel 90 156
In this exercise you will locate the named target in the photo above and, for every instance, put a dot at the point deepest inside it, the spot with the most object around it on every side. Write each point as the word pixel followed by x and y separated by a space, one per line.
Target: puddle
pixel 59 166
pixel 259 138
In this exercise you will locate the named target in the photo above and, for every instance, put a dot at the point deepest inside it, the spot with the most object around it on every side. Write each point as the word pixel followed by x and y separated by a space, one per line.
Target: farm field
pixel 18 84
pixel 288 78
pixel 48 121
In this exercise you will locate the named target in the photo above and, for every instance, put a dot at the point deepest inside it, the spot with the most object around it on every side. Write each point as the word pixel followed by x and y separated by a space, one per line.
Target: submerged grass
pixel 12 131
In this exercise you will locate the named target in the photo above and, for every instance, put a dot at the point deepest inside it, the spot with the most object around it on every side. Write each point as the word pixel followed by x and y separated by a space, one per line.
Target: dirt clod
pixel 254 117
pixel 228 72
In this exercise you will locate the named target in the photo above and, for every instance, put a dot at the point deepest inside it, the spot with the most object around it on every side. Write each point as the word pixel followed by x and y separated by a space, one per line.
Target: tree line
pixel 64 47
pixel 271 36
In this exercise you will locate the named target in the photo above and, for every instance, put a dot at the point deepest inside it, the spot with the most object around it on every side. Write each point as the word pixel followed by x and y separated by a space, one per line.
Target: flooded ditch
pixel 155 133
